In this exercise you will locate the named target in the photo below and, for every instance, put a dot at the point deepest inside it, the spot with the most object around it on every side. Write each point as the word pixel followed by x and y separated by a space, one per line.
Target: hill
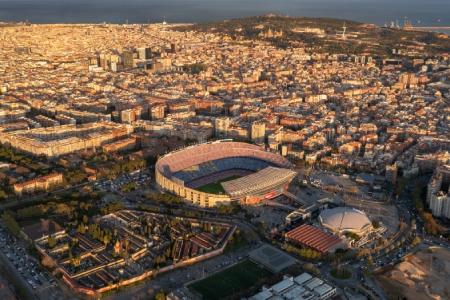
pixel 326 35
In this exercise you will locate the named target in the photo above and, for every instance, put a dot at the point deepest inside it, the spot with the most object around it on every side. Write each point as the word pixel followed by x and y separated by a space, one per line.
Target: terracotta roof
pixel 313 237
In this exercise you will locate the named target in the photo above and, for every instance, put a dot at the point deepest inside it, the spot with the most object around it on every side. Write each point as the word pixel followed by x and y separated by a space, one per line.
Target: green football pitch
pixel 216 187
pixel 230 281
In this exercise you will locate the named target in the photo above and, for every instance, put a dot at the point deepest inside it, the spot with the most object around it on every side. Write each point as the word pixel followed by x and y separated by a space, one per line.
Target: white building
pixel 302 287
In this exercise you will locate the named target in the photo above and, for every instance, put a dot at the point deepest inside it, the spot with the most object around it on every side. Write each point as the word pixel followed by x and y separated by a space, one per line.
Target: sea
pixel 380 12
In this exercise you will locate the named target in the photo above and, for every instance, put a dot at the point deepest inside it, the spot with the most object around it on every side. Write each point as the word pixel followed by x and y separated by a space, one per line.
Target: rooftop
pixel 314 238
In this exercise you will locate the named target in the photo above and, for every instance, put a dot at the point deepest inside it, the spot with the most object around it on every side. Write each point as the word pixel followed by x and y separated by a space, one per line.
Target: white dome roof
pixel 344 219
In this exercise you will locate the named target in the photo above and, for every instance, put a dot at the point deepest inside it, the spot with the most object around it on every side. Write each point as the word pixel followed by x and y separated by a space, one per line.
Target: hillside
pixel 325 35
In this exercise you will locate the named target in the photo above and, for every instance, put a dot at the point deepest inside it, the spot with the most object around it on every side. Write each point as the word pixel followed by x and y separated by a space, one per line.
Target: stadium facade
pixel 256 174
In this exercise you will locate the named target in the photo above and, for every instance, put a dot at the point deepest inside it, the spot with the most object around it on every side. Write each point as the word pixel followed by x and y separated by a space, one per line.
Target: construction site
pixel 423 275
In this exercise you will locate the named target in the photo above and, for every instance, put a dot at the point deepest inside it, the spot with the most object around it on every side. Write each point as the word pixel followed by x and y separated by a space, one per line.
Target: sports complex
pixel 341 220
pixel 224 171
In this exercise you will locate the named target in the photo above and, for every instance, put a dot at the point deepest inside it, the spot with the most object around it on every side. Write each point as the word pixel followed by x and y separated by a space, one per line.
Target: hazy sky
pixel 372 11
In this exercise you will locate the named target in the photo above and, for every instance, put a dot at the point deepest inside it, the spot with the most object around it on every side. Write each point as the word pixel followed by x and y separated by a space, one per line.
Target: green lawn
pixel 230 281
pixel 216 187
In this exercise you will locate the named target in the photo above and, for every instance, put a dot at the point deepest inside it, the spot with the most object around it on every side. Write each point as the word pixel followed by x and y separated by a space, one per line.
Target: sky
pixel 142 11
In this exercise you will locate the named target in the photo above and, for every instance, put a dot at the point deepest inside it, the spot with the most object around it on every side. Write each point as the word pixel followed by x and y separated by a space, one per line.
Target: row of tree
pixel 306 253
pixel 43 210
pixel 123 166
pixel 11 223
pixel 105 236
pixel 165 198
pixel 430 223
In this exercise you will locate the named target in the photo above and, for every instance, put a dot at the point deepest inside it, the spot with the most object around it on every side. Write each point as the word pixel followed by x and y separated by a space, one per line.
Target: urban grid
pixel 257 158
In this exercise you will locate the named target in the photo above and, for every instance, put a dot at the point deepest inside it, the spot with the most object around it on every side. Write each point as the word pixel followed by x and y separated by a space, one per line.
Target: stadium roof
pixel 253 183
pixel 341 219
pixel 314 238
pixel 197 154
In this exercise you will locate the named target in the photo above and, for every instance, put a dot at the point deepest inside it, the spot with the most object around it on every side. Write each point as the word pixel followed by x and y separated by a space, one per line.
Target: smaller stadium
pixel 221 172
pixel 343 220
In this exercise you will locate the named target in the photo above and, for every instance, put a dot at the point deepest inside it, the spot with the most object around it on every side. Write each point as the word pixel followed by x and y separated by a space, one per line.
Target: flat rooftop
pixel 272 258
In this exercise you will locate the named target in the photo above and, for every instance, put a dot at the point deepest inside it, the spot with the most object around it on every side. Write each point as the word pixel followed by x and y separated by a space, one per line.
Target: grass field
pixel 216 187
pixel 230 281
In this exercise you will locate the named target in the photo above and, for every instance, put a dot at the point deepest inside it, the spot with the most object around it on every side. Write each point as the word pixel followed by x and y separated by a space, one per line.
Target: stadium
pixel 342 220
pixel 221 172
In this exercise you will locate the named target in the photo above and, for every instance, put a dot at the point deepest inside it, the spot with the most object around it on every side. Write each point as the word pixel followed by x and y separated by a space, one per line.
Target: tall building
pixel 258 133
pixel 144 53
pixel 127 57
pixel 161 64
pixel 157 112
pixel 43 183
pixel 221 127
pixel 438 193
pixel 391 173
pixel 173 48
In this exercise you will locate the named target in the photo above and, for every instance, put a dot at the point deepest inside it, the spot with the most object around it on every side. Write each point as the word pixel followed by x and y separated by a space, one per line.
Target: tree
pixel 196 68
pixel 417 240
pixel 309 267
pixel 232 208
pixel 376 224
pixel 401 183
pixel 51 241
pixel 308 253
pixel 11 223
pixel 363 252
pixel 75 261
pixel 81 228
pixel 112 207
pixel 128 187
pixel 75 176
pixel 106 239
pixel 430 223
pixel 352 236
pixel 369 261
pixel 63 209
pixel 167 253
pixel 47 262
pixel 160 295
pixel 32 211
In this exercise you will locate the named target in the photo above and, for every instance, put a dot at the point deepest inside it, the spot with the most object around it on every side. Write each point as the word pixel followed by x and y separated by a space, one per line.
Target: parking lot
pixel 137 178
pixel 268 215
pixel 26 268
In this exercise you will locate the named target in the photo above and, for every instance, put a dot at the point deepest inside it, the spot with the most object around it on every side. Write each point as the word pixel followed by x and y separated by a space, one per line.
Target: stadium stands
pixel 220 165
pixel 196 155
pixel 266 180
pixel 181 172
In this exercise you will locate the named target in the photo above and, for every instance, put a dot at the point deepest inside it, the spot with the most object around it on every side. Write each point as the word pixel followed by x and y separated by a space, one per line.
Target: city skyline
pixel 224 154
pixel 137 11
